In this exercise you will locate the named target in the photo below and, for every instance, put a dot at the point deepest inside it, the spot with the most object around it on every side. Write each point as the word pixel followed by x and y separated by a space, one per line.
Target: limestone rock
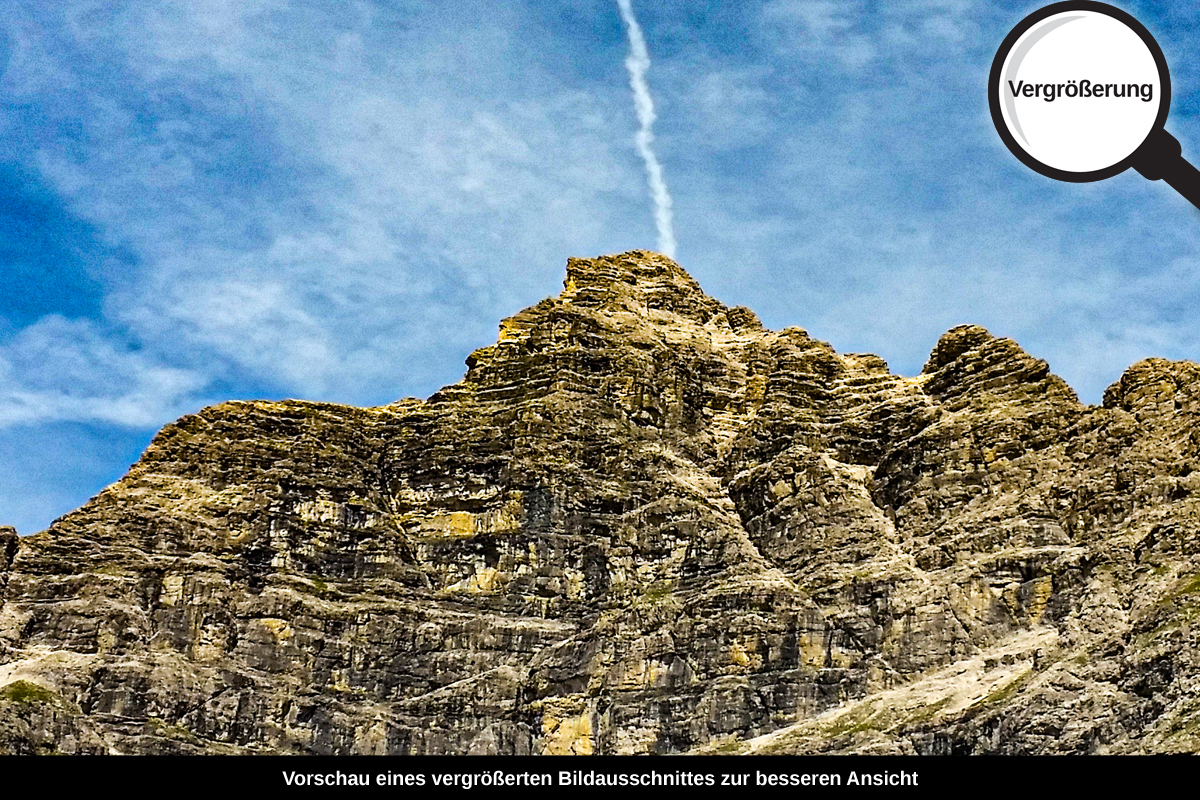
pixel 641 523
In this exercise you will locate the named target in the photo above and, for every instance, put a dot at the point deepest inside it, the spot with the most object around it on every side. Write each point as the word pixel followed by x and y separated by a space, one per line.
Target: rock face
pixel 641 523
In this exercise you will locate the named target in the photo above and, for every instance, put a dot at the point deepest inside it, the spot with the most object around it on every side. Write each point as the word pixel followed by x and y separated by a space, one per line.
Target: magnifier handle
pixel 1161 158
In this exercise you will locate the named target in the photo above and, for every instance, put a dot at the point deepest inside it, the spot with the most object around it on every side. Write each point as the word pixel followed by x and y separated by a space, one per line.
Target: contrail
pixel 637 64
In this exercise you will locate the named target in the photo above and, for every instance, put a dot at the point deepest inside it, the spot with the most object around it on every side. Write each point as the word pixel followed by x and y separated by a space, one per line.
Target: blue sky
pixel 219 199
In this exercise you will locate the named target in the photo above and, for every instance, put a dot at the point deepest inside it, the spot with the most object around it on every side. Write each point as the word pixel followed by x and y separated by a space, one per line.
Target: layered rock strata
pixel 641 523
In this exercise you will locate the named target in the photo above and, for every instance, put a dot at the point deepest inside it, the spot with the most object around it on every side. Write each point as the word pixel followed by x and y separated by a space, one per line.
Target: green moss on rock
pixel 26 692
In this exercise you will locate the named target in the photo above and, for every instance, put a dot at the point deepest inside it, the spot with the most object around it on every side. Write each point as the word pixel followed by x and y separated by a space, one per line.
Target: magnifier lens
pixel 1078 93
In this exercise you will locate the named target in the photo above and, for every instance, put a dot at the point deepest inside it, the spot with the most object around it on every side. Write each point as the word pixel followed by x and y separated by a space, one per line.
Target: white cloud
pixel 822 29
pixel 63 369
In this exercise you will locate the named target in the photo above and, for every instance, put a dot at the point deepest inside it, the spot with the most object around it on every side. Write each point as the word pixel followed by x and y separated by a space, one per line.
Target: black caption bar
pixel 454 776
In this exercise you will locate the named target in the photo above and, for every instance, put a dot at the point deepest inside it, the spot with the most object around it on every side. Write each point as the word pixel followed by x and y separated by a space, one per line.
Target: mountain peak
pixel 637 279
pixel 953 343
pixel 1156 386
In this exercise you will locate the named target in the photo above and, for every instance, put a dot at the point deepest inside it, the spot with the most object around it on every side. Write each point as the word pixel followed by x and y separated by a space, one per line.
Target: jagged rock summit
pixel 641 523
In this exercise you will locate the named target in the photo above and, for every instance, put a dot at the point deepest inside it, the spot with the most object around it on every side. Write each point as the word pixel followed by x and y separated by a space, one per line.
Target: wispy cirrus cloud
pixel 61 369
pixel 312 211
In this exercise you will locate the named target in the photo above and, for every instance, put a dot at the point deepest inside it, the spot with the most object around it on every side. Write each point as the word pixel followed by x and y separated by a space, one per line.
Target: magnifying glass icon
pixel 1079 92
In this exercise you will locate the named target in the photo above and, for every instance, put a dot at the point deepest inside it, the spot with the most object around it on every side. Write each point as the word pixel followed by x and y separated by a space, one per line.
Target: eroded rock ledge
pixel 641 523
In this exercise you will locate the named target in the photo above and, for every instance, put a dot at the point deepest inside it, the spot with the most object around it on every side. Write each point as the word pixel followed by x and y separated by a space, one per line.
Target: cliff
pixel 641 523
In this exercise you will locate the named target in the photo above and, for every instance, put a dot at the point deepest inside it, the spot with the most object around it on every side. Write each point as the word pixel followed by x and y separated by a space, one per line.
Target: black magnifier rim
pixel 1007 45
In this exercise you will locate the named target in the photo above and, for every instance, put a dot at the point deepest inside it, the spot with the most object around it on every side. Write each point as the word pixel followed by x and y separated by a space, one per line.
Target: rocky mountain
pixel 641 523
